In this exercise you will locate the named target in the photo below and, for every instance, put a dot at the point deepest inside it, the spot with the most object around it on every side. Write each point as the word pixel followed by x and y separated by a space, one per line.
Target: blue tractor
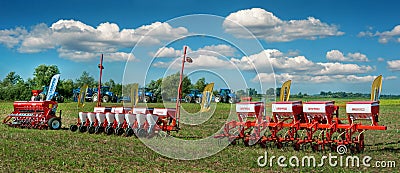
pixel 194 96
pixel 42 95
pixel 92 94
pixel 146 96
pixel 226 95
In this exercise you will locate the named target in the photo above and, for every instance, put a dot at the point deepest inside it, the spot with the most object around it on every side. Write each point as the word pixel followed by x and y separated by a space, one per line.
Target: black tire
pixel 119 131
pixel 109 130
pixel 188 99
pixel 198 100
pixel 129 132
pixel 94 97
pixel 82 129
pixel 99 129
pixel 54 123
pixel 91 130
pixel 146 99
pixel 231 100
pixel 73 128
pixel 141 133
pixel 105 99
pixel 218 99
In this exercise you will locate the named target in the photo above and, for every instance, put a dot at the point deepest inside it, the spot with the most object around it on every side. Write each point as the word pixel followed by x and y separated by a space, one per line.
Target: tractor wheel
pixel 109 130
pixel 94 97
pixel 73 128
pixel 231 100
pixel 217 99
pixel 106 99
pixel 198 100
pixel 119 131
pixel 141 133
pixel 188 99
pixel 82 129
pixel 146 99
pixel 99 129
pixel 54 123
pixel 129 132
pixel 91 130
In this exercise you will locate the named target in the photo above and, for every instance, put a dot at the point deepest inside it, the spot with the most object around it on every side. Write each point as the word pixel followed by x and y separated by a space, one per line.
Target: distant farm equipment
pixel 226 95
pixel 37 114
pixel 302 125
pixel 40 95
pixel 194 96
pixel 92 94
pixel 146 96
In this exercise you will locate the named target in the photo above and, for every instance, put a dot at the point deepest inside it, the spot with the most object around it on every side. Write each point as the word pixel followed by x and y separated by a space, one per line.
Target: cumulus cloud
pixel 166 52
pixel 269 77
pixel 394 65
pixel 337 56
pixel 265 25
pixel 384 37
pixel 78 41
pixel 211 50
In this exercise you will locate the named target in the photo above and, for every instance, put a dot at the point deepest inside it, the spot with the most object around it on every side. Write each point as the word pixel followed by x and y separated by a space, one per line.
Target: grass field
pixel 28 150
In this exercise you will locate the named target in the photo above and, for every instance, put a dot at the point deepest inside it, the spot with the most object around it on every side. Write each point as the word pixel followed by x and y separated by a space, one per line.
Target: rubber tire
pixel 109 130
pixel 105 99
pixel 218 99
pixel 51 124
pixel 129 132
pixel 198 100
pixel 188 99
pixel 73 128
pixel 99 129
pixel 141 133
pixel 231 101
pixel 91 129
pixel 119 131
pixel 82 129
pixel 94 97
pixel 146 99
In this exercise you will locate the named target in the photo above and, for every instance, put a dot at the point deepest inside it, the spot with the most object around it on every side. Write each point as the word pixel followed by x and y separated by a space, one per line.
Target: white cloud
pixel 384 37
pixel 78 41
pixel 394 65
pixel 166 52
pixel 339 68
pixel 337 56
pixel 380 59
pixel 390 77
pixel 269 78
pixel 11 37
pixel 201 61
pixel 265 25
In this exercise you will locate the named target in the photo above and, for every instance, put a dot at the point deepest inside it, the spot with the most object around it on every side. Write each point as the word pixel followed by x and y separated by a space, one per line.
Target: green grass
pixel 28 150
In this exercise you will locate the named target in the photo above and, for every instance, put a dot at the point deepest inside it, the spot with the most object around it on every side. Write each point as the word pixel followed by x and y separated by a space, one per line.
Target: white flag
pixel 52 86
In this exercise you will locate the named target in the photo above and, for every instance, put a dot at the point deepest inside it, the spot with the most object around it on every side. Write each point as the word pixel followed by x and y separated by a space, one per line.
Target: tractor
pixel 226 95
pixel 146 96
pixel 40 95
pixel 194 96
pixel 91 94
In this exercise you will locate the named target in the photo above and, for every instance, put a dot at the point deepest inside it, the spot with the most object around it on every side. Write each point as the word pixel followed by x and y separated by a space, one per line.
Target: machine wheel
pixel 106 99
pixel 217 99
pixel 94 97
pixel 129 132
pixel 109 130
pixel 188 99
pixel 141 133
pixel 82 129
pixel 54 123
pixel 99 129
pixel 73 128
pixel 198 100
pixel 231 100
pixel 91 130
pixel 119 131
pixel 146 99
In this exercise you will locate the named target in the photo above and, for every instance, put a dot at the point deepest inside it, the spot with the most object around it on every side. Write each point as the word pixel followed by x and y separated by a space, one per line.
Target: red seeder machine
pixel 143 122
pixel 314 124
pixel 34 114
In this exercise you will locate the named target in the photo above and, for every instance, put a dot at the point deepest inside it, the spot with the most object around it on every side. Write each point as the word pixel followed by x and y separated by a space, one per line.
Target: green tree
pixel 200 84
pixel 155 87
pixel 43 74
pixel 169 86
pixel 11 79
pixel 65 88
pixel 270 92
pixel 85 78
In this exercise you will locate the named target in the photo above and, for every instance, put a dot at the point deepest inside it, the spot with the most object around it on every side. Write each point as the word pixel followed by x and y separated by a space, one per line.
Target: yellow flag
pixel 134 94
pixel 207 97
pixel 285 91
pixel 81 97
pixel 376 88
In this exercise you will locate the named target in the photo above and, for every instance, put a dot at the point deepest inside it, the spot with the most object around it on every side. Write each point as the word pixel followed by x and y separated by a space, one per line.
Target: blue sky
pixel 318 44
